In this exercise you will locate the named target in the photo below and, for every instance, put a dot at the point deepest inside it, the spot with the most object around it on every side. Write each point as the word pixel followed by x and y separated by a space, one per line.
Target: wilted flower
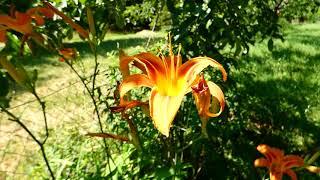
pixel 202 93
pixel 169 80
pixel 67 54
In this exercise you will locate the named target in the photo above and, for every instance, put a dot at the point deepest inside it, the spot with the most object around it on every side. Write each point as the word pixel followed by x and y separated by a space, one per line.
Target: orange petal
pixel 155 61
pixel 3 36
pixel 276 175
pixel 131 82
pixel 194 66
pixel 125 105
pixel 124 61
pixel 151 70
pixel 39 19
pixel 68 53
pixel 61 59
pixel 261 162
pixel 146 62
pixel 163 109
pixel 40 10
pixel 82 32
pixel 37 14
pixel 291 174
pixel 272 154
pixel 202 97
pixel 21 24
pixel 290 161
pixel 46 12
pixel 216 92
pixel 134 81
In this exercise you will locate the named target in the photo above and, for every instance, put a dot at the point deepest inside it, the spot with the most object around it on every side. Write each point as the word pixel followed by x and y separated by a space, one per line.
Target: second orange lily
pixel 278 163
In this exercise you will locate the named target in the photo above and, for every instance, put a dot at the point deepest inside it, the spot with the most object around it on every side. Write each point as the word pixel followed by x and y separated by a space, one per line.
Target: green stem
pixel 134 134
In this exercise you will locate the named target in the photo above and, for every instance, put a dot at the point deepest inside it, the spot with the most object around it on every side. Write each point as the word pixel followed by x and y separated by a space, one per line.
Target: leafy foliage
pixel 206 28
pixel 302 10
pixel 263 104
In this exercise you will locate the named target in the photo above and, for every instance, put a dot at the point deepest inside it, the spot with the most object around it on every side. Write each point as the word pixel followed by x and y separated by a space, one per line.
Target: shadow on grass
pixel 268 110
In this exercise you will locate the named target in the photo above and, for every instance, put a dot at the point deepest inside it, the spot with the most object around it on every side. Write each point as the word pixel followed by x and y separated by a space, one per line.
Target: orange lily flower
pixel 67 53
pixel 169 80
pixel 37 14
pixel 22 22
pixel 278 163
pixel 82 32
pixel 202 93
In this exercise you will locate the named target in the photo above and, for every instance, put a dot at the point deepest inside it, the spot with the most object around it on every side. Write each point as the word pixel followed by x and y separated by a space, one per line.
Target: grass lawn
pixel 282 85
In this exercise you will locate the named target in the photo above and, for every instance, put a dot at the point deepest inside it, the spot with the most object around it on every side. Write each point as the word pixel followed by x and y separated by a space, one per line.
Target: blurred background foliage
pixel 267 101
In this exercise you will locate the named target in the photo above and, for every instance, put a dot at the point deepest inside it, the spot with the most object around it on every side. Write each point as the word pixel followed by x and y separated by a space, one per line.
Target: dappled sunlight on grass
pixel 281 88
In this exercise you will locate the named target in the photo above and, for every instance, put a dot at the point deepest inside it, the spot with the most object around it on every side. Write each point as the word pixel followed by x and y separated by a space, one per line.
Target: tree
pixel 209 27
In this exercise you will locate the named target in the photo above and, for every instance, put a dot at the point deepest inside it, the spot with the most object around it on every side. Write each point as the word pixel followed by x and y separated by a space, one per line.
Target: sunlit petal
pixel 216 92
pixel 163 110
pixel 124 62
pixel 313 169
pixel 131 82
pixel 276 175
pixel 134 81
pixel 194 66
pixel 261 162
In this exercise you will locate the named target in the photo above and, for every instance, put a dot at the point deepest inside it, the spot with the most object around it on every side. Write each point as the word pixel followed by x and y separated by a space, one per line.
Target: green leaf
pixel 238 48
pixel 4 90
pixel 270 44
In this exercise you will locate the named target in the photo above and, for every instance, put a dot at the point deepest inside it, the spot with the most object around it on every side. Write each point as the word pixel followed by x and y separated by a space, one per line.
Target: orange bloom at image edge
pixel 22 22
pixel 278 163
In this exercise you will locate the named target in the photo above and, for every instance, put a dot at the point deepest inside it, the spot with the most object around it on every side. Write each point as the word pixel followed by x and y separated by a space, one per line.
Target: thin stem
pixel 41 144
pixel 134 133
pixel 160 7
pixel 90 94
pixel 43 107
pixel 95 109
pixel 96 65
pixel 46 160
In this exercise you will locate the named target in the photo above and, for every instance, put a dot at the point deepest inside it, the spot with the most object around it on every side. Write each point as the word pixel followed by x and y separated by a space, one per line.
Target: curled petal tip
pixel 262 147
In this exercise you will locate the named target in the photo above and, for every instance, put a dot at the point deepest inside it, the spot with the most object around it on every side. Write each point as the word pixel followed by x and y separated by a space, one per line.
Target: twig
pixel 41 144
pixel 155 22
pixel 94 102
